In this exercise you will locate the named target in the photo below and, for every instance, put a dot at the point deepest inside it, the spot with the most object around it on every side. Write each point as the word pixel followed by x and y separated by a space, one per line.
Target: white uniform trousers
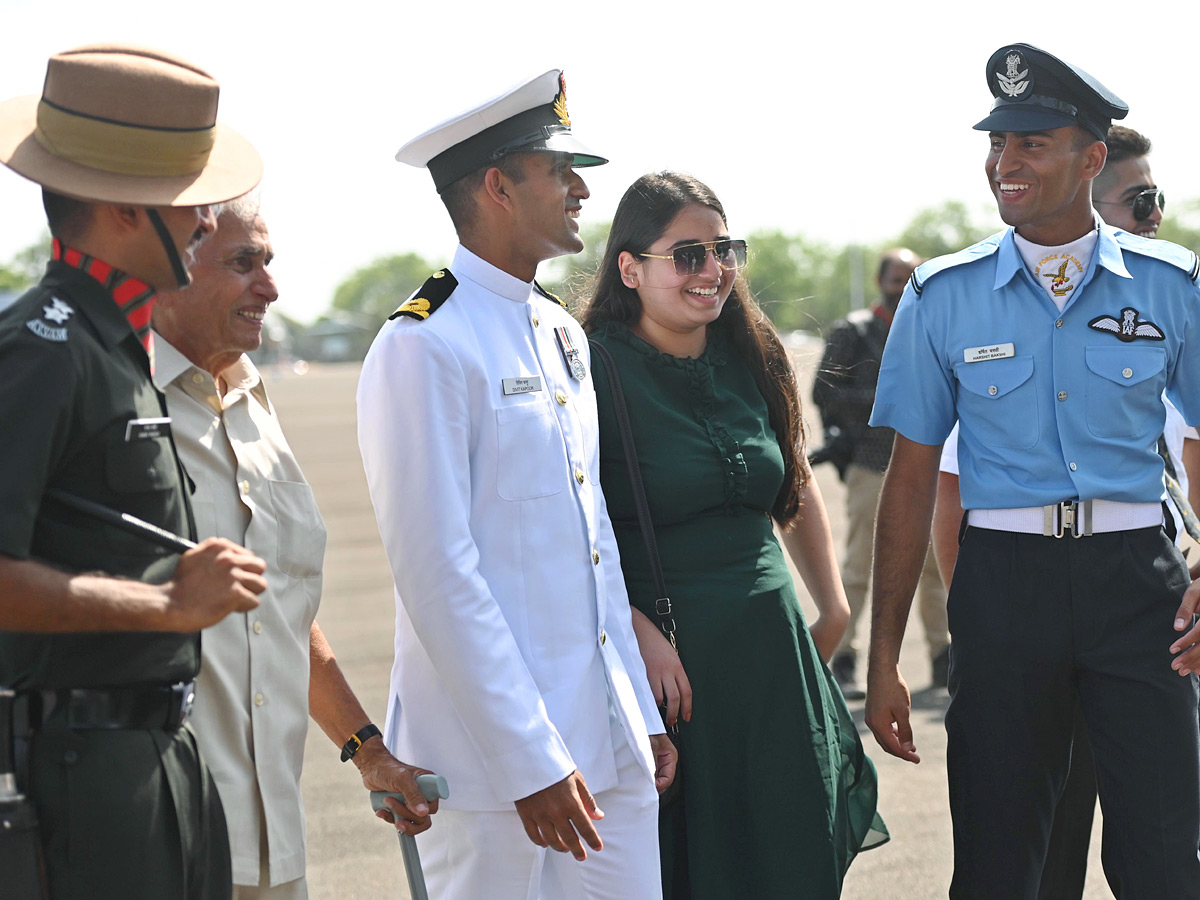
pixel 476 855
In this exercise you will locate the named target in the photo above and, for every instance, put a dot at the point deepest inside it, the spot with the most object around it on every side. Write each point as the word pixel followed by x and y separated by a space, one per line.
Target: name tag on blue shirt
pixel 993 351
pixel 521 385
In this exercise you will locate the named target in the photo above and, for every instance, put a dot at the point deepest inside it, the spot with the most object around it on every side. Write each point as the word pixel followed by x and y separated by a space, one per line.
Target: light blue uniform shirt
pixel 1073 411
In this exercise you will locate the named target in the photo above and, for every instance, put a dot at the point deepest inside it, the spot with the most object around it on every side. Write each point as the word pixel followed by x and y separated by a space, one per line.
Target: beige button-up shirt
pixel 251 712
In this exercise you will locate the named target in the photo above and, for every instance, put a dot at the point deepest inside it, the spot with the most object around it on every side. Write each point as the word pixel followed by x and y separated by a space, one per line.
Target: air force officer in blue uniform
pixel 517 673
pixel 1051 344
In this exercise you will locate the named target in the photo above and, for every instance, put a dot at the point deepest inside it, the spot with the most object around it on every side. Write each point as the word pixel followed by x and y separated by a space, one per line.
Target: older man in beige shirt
pixel 256 688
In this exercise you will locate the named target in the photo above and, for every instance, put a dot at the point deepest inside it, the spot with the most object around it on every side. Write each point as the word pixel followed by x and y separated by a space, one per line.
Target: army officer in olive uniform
pixel 100 638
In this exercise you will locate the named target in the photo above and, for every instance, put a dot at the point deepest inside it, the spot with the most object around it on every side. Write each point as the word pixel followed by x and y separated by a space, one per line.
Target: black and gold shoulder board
pixel 433 293
pixel 549 296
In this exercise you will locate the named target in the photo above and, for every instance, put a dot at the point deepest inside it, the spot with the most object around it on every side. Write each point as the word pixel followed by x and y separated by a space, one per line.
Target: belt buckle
pixel 1075 515
pixel 182 699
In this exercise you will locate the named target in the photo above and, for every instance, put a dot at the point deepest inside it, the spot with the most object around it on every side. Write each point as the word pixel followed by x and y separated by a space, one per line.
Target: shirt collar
pixel 241 375
pixel 467 265
pixel 1108 254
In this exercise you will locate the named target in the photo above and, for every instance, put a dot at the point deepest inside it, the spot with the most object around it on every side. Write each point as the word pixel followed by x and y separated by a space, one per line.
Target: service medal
pixel 570 353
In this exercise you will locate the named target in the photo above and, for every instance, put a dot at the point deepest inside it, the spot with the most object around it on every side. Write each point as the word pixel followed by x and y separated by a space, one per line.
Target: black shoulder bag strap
pixel 662 605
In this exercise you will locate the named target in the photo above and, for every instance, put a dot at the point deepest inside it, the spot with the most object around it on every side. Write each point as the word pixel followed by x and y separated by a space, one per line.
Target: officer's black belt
pixel 158 707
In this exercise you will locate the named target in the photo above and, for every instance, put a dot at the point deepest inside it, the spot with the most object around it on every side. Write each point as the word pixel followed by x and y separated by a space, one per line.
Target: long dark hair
pixel 642 217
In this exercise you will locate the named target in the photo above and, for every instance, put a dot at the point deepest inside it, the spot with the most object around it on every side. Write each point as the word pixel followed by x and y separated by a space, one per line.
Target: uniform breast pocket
pixel 144 465
pixel 999 400
pixel 529 454
pixel 1124 386
pixel 301 547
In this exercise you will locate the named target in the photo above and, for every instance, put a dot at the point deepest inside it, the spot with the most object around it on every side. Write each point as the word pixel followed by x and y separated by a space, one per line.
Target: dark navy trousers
pixel 1034 620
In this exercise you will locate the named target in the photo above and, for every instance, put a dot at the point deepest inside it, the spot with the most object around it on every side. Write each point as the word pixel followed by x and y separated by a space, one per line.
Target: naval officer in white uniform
pixel 517 673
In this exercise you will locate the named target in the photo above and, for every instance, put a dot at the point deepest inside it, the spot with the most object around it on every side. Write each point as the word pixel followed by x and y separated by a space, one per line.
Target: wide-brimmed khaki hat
pixel 122 124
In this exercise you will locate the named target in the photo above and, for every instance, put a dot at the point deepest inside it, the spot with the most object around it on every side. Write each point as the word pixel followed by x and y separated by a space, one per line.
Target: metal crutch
pixel 434 787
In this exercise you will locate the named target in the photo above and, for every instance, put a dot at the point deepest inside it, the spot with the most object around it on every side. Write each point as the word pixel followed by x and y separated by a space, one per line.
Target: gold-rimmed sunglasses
pixel 689 258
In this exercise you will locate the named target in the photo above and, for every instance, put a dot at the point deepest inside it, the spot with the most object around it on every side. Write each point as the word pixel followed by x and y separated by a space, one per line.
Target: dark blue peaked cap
pixel 1036 91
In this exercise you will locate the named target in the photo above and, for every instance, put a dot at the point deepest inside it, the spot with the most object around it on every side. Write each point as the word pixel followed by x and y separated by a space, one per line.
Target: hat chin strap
pixel 182 279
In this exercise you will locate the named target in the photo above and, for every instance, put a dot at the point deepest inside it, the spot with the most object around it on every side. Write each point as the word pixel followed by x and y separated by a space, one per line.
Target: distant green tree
pixel 1182 225
pixel 374 291
pixel 26 265
pixel 946 229
pixel 570 276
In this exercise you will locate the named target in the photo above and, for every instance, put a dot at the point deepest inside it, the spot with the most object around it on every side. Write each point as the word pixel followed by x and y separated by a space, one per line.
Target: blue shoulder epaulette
pixel 1180 257
pixel 433 293
pixel 549 296
pixel 927 270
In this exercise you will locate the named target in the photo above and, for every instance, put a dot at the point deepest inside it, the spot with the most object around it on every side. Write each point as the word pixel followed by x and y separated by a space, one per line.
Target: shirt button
pixel 1062 395
pixel 257 627
pixel 579 475
pixel 1073 467
pixel 596 557
pixel 1058 323
pixel 259 699
pixel 993 390
pixel 1127 373
pixel 536 321
pixel 560 398
pixel 603 637
pixel 197 378
pixel 245 486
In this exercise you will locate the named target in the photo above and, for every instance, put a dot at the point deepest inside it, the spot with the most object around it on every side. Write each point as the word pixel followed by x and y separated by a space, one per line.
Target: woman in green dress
pixel 777 794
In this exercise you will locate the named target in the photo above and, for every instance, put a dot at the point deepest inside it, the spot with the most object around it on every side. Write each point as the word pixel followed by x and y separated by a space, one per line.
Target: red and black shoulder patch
pixel 433 293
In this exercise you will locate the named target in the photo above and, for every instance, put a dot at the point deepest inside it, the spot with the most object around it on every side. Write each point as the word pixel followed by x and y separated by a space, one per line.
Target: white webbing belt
pixel 1078 518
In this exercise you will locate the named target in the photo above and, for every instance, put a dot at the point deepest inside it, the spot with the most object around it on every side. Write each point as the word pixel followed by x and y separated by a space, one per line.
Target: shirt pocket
pixel 1124 390
pixel 529 453
pixel 301 548
pixel 999 401
pixel 137 466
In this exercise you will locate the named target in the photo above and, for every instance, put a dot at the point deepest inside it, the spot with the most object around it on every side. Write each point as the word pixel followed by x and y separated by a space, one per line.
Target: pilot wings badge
pixel 1130 328
pixel 1016 81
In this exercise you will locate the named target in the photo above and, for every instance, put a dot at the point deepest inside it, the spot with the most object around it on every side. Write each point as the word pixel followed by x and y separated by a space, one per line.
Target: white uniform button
pixel 1127 373
pixel 579 476
pixel 560 397
pixel 993 390
pixel 1058 323
pixel 1062 395
pixel 1073 467
pixel 603 637
pixel 258 627
pixel 245 486
pixel 197 378
pixel 259 699
pixel 596 557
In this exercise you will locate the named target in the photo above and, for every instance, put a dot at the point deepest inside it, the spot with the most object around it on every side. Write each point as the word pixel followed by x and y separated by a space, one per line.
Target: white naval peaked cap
pixel 529 116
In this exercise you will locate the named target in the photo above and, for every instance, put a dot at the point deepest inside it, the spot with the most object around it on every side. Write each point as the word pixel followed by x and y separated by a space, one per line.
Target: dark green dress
pixel 778 796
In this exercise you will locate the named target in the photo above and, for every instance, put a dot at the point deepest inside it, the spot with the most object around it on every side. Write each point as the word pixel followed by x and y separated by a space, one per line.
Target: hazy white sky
pixel 835 120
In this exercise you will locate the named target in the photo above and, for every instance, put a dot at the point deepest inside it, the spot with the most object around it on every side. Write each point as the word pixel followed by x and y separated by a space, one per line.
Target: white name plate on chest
pixel 522 385
pixel 993 351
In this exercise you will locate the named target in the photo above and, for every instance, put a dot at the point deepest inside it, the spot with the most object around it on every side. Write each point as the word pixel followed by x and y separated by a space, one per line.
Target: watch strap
pixel 359 738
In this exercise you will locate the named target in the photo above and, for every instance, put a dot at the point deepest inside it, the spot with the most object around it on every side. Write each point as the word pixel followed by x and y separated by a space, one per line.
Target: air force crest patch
pixel 1015 82
pixel 1129 328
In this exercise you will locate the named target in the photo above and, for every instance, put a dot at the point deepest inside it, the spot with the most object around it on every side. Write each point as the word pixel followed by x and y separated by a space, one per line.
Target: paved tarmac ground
pixel 353 855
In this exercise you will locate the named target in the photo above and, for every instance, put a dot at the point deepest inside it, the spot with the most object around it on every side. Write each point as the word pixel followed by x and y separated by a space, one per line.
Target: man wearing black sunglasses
pixel 1124 193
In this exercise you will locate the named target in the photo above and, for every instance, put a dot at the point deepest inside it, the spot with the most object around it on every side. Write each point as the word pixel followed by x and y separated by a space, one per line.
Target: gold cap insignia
pixel 560 101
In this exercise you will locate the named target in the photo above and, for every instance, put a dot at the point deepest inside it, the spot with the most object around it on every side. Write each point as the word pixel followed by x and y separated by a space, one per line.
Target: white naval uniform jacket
pixel 513 629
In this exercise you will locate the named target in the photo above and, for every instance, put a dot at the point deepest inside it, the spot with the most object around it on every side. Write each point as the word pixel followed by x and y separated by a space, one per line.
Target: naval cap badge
pixel 560 101
pixel 1015 82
